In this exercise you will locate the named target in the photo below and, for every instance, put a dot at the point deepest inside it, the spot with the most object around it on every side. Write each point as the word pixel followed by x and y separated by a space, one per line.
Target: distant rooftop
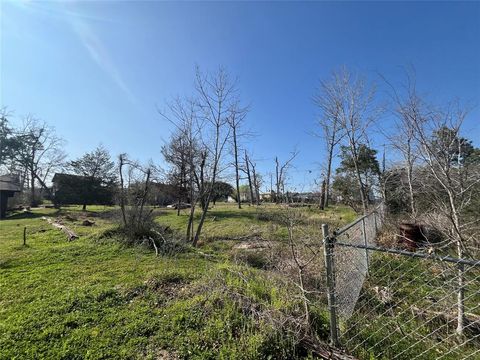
pixel 9 183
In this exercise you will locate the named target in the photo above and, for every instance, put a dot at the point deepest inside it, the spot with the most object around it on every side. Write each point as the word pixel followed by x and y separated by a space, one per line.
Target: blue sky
pixel 98 70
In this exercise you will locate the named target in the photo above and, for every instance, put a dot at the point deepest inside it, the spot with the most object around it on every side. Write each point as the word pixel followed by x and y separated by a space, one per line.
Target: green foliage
pixel 95 181
pixel 8 142
pixel 366 160
pixel 221 190
pixel 454 148
pixel 396 191
pixel 97 165
pixel 73 189
pixel 345 183
pixel 346 186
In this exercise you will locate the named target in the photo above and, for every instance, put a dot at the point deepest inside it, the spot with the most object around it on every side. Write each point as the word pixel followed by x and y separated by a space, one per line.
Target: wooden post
pixel 24 236
pixel 328 244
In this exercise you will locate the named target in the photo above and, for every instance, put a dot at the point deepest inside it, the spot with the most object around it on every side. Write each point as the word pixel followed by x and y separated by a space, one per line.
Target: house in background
pixel 71 189
pixel 9 185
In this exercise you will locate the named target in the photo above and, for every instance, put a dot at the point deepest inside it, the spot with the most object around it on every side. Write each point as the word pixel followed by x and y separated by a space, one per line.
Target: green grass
pixel 93 298
pixel 227 222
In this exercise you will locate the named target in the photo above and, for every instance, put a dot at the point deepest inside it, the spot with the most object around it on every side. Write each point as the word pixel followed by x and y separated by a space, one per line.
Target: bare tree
pixel 256 182
pixel 137 220
pixel 121 163
pixel 329 102
pixel 189 156
pixel 40 153
pixel 249 177
pixel 216 98
pixel 408 110
pixel 205 125
pixel 303 253
pixel 443 152
pixel 235 120
pixel 353 102
pixel 280 174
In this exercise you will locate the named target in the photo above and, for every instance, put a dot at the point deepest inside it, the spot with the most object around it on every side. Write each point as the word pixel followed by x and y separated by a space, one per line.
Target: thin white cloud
pixel 99 54
pixel 81 25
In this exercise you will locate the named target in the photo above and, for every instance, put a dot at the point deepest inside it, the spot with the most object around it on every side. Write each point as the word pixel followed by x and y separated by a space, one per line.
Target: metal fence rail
pixel 389 303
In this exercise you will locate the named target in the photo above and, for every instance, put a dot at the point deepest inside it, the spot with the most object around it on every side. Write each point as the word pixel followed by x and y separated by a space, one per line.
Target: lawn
pixel 95 298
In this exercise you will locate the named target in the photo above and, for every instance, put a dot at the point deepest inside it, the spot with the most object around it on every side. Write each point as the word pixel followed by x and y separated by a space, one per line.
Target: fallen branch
pixel 70 234
pixel 154 245
pixel 160 234
pixel 472 321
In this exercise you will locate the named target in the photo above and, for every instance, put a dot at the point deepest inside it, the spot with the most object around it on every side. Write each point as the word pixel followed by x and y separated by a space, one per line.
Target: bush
pixel 255 258
pixel 145 233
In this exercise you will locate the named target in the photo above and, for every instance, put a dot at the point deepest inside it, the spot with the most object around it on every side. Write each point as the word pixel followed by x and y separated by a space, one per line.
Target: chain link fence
pixel 388 303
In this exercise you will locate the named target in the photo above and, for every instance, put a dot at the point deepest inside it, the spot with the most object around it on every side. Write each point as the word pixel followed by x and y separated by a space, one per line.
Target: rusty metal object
pixel 411 235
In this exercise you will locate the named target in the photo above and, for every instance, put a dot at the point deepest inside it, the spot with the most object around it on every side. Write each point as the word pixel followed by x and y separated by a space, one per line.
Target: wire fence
pixel 388 303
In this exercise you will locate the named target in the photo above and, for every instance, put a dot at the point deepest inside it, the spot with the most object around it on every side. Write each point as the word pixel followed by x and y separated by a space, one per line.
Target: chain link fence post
pixel 328 248
pixel 364 234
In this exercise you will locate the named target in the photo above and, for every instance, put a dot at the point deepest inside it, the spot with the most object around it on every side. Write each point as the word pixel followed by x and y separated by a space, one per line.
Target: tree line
pixel 434 175
pixel 208 148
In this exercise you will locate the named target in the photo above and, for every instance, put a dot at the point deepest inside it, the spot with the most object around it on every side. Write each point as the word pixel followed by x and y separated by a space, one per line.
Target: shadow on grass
pixel 7 264
pixel 30 215
pixel 229 214
pixel 64 210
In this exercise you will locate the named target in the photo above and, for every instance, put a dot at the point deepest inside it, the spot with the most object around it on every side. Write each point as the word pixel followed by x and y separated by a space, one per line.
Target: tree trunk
pixel 202 220
pixel 44 186
pixel 461 270
pixel 326 192
pixel 192 200
pixel 461 300
pixel 206 202
pixel 359 178
pixel 255 185
pixel 249 178
pixel 33 203
pixel 144 197
pixel 323 195
pixel 237 176
pixel 122 191
pixel 277 195
pixel 190 224
pixel 304 298
pixel 410 188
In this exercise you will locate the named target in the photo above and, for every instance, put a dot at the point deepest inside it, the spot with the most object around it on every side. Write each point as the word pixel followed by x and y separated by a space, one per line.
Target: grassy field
pixel 227 222
pixel 95 298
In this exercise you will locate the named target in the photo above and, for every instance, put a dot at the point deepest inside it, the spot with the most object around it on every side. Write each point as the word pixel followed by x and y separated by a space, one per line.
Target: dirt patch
pixel 160 354
pixel 255 244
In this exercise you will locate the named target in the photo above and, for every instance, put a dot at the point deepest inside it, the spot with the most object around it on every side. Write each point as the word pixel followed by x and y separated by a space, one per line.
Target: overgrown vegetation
pixel 409 305
pixel 95 297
